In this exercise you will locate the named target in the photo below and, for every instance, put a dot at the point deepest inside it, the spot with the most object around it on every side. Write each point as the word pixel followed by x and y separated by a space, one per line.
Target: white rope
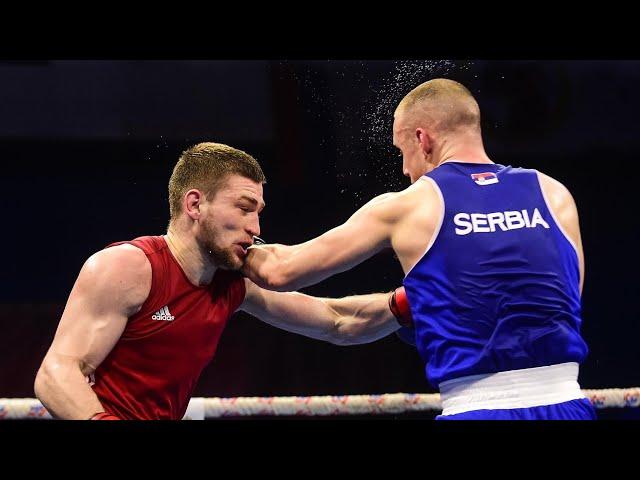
pixel 614 397
pixel 30 408
pixel 21 408
pixel 326 405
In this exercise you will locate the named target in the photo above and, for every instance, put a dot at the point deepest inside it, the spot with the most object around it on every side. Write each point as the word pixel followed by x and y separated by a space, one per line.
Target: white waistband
pixel 529 387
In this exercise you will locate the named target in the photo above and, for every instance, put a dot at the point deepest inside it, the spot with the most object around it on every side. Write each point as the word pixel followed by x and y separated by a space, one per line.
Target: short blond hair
pixel 205 166
pixel 448 103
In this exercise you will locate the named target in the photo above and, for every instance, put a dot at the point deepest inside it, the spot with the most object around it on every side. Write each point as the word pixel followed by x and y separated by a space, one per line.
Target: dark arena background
pixel 87 148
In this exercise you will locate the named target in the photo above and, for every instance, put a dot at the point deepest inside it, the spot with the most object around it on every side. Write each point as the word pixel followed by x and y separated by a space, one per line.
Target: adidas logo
pixel 163 314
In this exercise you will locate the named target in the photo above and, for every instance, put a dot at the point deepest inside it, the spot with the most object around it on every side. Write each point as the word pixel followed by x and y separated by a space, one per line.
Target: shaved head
pixel 444 105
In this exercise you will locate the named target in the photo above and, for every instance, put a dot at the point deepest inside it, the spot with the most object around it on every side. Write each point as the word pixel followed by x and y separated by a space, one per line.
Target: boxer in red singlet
pixel 145 316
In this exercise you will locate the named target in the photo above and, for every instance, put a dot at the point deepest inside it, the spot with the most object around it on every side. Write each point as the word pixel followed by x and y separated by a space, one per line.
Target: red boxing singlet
pixel 153 369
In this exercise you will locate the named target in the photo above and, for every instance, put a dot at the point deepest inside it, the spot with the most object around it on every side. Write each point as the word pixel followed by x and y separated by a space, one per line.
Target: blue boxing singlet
pixel 498 288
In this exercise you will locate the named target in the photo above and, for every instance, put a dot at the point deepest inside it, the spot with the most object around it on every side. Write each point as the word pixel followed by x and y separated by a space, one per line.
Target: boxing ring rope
pixel 389 403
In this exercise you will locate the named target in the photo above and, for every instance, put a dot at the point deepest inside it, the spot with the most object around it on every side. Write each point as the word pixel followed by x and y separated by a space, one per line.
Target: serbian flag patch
pixel 486 178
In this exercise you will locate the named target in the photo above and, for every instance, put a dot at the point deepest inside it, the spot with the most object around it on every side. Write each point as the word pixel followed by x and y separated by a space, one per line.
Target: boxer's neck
pixel 193 260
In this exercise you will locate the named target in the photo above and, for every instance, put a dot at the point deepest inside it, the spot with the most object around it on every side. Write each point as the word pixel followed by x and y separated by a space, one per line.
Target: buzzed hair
pixel 449 104
pixel 205 166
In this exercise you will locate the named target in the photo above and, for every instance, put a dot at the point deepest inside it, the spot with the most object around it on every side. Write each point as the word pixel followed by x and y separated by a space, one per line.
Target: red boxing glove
pixel 104 416
pixel 399 306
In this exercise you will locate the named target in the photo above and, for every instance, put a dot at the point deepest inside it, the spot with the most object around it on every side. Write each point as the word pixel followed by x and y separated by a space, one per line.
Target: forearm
pixel 350 320
pixel 362 318
pixel 309 263
pixel 63 389
pixel 264 266
pixel 286 268
pixel 366 232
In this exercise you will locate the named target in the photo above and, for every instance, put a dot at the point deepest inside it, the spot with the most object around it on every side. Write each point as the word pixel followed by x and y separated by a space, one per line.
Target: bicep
pixel 105 294
pixel 86 333
pixel 367 232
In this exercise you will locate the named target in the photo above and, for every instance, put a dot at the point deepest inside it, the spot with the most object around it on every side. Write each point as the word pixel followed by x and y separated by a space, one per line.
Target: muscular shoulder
pixel 122 273
pixel 423 186
pixel 123 260
pixel 420 195
pixel 555 192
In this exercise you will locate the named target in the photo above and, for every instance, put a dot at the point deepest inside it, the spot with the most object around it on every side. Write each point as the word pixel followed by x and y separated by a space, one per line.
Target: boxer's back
pixel 499 287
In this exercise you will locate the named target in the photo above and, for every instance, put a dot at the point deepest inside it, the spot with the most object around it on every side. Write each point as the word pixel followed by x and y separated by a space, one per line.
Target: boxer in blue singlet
pixel 493 261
